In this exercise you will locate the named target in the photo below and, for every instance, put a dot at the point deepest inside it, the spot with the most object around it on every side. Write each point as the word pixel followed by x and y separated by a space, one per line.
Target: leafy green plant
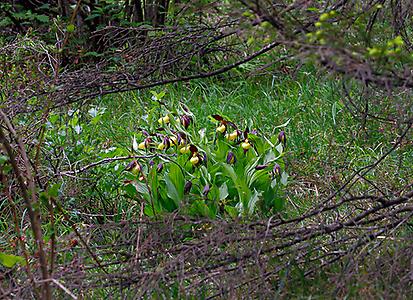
pixel 10 260
pixel 227 170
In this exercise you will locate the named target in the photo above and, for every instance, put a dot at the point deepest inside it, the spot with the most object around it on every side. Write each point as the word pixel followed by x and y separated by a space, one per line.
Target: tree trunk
pixel 162 11
pixel 137 11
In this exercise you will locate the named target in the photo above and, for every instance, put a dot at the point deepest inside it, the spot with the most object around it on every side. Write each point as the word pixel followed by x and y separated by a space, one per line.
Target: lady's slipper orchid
pixel 282 138
pixel 174 140
pixel 161 146
pixel 245 145
pixel 185 121
pixel 142 146
pixel 164 120
pixel 184 150
pixel 159 168
pixel 231 136
pixel 221 128
pixel 206 190
pixel 194 160
pixel 276 171
pixel 187 187
pixel 181 138
pixel 231 159
pixel 134 167
pixel 166 142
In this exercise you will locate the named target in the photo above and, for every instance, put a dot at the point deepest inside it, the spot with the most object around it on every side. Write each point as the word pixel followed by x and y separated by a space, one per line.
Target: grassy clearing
pixel 325 142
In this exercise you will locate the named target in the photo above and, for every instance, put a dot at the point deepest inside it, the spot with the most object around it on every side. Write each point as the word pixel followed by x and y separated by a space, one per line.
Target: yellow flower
pixel 231 136
pixel 221 128
pixel 184 150
pixel 142 146
pixel 246 145
pixel 194 160
pixel 174 140
pixel 164 120
pixel 161 146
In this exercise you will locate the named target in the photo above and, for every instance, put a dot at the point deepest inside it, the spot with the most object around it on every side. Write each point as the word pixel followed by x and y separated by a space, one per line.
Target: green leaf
pixel 199 208
pixel 244 192
pixel 53 118
pixel 42 18
pixel 5 22
pixel 252 203
pixel 158 96
pixel 269 157
pixel 141 188
pixel 54 190
pixel 279 148
pixel 92 16
pixel 93 53
pixel 204 174
pixel 282 125
pixel 175 178
pixel 44 6
pixel 334 112
pixel 130 190
pixel 269 196
pixel 172 191
pixel 95 120
pixel 284 178
pixel 260 179
pixel 223 191
pixel 71 28
pixel 44 199
pixel 154 183
pixel 10 260
pixel 3 159
pixel 232 211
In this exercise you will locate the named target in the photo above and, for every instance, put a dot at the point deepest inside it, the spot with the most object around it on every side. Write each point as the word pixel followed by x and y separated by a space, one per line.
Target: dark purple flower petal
pixel 282 138
pixel 185 121
pixel 131 165
pixel 206 189
pixel 231 159
pixel 276 170
pixel 187 187
pixel 218 117
pixel 167 142
pixel 260 167
pixel 159 168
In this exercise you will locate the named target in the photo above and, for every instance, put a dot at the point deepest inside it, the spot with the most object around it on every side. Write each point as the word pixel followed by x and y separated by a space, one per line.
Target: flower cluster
pixel 227 171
